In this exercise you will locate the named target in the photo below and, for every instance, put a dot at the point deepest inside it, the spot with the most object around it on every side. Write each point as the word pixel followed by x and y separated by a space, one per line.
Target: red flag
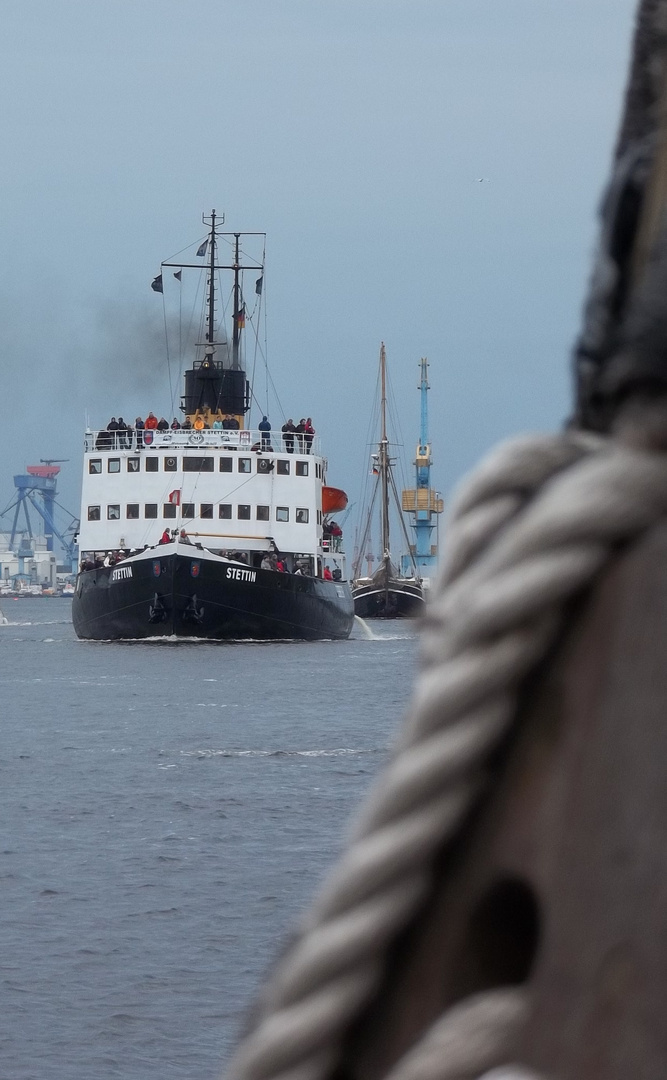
pixel 175 497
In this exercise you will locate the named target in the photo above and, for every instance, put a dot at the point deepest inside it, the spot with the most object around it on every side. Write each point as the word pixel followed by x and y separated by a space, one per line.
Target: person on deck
pixel 112 426
pixel 309 432
pixel 217 424
pixel 122 435
pixel 175 426
pixel 139 428
pixel 230 423
pixel 151 422
pixel 162 424
pixel 288 435
pixel 300 430
pixel 327 575
pixel 166 537
pixel 265 428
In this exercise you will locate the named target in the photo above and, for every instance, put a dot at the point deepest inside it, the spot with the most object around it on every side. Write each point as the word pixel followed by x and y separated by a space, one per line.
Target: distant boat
pixel 387 593
pixel 242 552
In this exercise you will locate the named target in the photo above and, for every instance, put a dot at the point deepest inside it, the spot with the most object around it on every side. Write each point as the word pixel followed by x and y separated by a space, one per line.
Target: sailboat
pixel 387 593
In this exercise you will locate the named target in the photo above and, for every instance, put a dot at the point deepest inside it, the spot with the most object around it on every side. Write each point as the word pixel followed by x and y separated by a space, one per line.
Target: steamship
pixel 210 530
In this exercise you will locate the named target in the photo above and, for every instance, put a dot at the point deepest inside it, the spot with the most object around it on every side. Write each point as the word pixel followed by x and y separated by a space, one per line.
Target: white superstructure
pixel 228 490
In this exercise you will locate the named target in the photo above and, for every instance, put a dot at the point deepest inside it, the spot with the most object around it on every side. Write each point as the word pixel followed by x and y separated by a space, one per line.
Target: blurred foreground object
pixel 499 910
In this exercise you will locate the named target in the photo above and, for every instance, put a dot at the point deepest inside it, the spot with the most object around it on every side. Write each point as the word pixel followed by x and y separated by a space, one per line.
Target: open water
pixel 167 810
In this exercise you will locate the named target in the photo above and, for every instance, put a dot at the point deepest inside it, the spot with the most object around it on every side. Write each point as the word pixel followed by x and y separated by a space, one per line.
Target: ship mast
pixel 236 332
pixel 384 457
pixel 211 287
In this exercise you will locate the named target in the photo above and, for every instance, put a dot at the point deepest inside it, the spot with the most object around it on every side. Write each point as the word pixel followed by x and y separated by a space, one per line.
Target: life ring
pixel 170 463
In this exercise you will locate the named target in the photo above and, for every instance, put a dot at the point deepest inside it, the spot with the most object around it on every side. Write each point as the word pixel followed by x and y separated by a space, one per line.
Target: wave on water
pixel 166 641
pixel 337 752
pixel 50 622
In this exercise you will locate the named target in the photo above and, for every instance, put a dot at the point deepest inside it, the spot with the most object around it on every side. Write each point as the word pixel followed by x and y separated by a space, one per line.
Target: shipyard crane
pixel 422 502
pixel 37 487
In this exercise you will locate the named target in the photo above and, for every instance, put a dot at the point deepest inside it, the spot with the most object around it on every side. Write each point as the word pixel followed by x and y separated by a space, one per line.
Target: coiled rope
pixel 531 529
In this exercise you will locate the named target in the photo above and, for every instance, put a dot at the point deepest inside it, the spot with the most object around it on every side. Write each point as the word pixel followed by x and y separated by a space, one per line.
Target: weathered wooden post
pixel 503 902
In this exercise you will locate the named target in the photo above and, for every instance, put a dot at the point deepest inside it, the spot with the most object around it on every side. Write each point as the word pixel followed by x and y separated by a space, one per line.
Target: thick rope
pixel 532 529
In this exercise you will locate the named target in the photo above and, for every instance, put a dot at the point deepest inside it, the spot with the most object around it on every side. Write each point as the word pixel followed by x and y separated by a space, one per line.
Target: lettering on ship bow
pixel 240 574
pixel 121 572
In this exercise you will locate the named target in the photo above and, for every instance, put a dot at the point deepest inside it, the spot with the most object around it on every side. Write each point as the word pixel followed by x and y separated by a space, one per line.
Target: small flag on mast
pixel 156 284
pixel 201 250
pixel 175 497
pixel 177 275
pixel 258 285
pixel 240 318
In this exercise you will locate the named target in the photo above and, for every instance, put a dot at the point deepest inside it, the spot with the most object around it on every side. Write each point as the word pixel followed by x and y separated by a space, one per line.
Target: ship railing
pixel 247 439
pixel 332 544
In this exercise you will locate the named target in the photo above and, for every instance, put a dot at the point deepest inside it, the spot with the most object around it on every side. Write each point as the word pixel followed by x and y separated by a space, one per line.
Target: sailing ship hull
pixel 190 593
pixel 395 600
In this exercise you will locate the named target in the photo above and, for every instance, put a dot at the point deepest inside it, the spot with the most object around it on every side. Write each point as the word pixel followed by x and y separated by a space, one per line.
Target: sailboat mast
pixel 211 283
pixel 384 456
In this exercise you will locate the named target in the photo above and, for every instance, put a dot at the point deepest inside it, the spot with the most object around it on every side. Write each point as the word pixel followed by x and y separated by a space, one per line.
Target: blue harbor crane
pixel 37 487
pixel 421 502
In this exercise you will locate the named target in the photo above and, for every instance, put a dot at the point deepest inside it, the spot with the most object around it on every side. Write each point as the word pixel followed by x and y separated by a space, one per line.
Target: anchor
pixel 193 614
pixel 157 612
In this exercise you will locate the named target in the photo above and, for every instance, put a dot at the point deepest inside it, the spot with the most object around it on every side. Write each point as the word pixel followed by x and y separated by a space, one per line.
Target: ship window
pixel 206 510
pixel 150 510
pixel 282 513
pixel 151 465
pixel 245 464
pixel 95 466
pixel 132 511
pixel 114 464
pixel 169 510
pixel 170 464
pixel 93 513
pixel 262 513
pixel 197 464
pixel 283 468
pixel 302 468
pixel 113 512
pixel 226 464
pixel 188 510
pixel 319 517
pixel 133 464
pixel 243 512
pixel 225 510
pixel 301 516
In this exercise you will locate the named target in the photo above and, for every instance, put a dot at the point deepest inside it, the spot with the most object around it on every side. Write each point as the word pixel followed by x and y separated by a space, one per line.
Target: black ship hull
pixel 189 593
pixel 393 600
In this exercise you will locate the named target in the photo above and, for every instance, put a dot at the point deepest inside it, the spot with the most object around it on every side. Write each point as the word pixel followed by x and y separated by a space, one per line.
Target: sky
pixel 427 173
